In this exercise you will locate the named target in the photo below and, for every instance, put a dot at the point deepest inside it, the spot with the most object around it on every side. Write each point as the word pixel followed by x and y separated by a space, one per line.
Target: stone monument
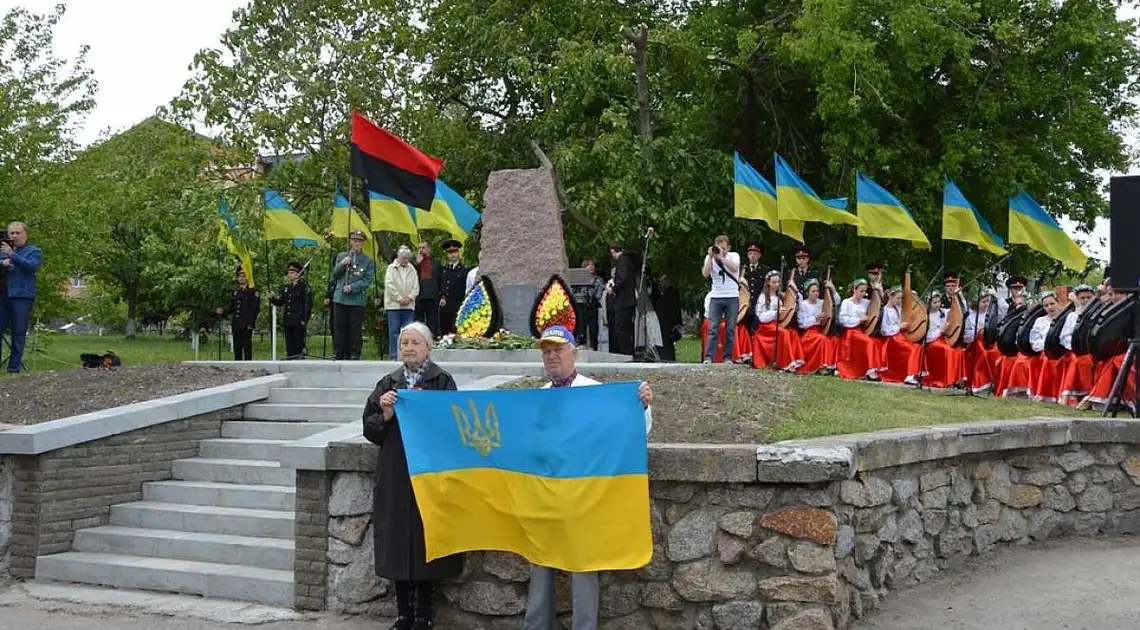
pixel 522 240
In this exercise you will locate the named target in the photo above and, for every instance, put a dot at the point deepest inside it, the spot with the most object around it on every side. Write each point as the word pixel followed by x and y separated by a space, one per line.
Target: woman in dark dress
pixel 396 523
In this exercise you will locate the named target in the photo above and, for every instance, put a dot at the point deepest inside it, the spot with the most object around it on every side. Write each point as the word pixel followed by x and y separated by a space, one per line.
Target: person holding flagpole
pixel 353 273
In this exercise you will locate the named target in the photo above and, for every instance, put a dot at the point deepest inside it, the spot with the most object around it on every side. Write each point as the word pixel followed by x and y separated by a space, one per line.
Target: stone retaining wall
pixel 6 467
pixel 804 536
pixel 54 494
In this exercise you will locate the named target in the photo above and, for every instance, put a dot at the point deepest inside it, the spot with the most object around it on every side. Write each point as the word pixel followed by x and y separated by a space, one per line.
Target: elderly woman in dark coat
pixel 397 527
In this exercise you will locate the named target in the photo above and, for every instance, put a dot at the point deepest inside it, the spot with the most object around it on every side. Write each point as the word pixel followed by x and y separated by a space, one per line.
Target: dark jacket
pixel 625 282
pixel 454 285
pixel 245 304
pixel 298 302
pixel 21 276
pixel 430 287
pixel 754 277
pixel 802 278
pixel 397 528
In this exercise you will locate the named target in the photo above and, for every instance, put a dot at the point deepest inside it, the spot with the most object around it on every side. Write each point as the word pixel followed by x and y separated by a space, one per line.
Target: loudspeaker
pixel 1124 228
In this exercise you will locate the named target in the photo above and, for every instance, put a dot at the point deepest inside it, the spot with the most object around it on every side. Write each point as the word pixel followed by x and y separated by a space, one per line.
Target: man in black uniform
pixel 753 272
pixel 452 287
pixel 622 292
pixel 803 271
pixel 297 299
pixel 245 304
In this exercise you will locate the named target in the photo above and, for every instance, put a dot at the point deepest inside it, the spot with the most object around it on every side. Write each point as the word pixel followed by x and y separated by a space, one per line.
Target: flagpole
pixel 269 269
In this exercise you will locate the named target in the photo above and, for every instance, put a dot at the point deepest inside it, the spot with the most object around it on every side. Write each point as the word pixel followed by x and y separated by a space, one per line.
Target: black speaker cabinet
pixel 1124 218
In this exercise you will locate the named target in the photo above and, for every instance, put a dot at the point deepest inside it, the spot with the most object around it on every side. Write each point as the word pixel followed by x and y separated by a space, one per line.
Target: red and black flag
pixel 392 167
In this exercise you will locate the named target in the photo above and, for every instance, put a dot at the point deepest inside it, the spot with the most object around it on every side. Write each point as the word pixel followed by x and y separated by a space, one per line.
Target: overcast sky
pixel 141 51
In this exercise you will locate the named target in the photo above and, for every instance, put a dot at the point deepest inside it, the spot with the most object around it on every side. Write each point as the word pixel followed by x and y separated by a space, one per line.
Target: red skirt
pixel 1051 378
pixel 859 355
pixel 741 344
pixel 1078 380
pixel 819 350
pixel 898 354
pixel 944 366
pixel 1021 375
pixel 1106 376
pixel 764 347
pixel 981 368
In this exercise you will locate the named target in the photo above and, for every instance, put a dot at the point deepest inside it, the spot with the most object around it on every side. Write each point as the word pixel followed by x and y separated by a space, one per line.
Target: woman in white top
pixel 1025 371
pixel 898 351
pixel 979 359
pixel 859 356
pixel 819 347
pixel 943 365
pixel 768 314
pixel 1079 375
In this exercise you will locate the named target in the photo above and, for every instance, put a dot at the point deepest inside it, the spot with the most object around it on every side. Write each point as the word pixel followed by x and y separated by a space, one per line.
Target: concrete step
pixel 221 494
pixel 256 430
pixel 224 581
pixel 247 551
pixel 242 448
pixel 243 471
pixel 304 413
pixel 318 395
pixel 204 519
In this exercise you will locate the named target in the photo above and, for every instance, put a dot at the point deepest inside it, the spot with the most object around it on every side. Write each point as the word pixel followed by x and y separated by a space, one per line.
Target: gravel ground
pixel 731 405
pixel 48 396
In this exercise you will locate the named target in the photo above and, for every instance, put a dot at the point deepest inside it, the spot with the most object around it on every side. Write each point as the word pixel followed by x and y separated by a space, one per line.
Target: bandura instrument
pixel 990 334
pixel 1023 345
pixel 1085 322
pixel 827 312
pixel 1007 332
pixel 1113 330
pixel 955 320
pixel 745 297
pixel 788 302
pixel 1054 349
pixel 874 310
pixel 915 319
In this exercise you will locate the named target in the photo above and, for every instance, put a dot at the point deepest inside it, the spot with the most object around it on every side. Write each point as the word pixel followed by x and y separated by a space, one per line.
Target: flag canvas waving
pixel 532 472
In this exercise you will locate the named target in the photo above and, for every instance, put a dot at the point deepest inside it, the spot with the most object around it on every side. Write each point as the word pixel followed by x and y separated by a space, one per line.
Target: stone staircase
pixel 223 526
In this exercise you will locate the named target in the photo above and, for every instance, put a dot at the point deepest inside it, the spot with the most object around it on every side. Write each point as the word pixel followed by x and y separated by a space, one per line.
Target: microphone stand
pixel 775 364
pixel 651 355
pixel 922 351
pixel 328 312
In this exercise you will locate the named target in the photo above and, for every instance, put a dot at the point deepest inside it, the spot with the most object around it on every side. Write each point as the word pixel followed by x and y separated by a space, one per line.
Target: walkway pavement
pixel 1062 585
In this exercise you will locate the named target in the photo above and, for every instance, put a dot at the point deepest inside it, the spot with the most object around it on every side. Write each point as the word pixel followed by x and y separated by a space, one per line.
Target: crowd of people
pixel 802 325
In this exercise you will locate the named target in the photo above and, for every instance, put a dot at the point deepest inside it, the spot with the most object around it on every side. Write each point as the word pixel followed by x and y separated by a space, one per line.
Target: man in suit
pixel 622 292
pixel 453 287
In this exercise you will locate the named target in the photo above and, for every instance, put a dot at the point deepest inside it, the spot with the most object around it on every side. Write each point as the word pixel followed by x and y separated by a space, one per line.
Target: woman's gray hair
pixel 404 253
pixel 422 329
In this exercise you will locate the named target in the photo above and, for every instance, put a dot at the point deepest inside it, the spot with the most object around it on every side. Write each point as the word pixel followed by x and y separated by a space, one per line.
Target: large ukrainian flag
pixel 390 215
pixel 755 198
pixel 281 223
pixel 1030 225
pixel 796 200
pixel 961 221
pixel 558 476
pixel 884 216
pixel 228 236
pixel 346 219
pixel 450 213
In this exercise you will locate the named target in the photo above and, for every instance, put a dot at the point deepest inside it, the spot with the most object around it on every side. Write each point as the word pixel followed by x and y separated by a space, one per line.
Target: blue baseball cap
pixel 557 334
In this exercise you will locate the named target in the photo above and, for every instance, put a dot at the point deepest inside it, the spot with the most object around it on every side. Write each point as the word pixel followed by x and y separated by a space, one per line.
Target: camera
pixel 714 251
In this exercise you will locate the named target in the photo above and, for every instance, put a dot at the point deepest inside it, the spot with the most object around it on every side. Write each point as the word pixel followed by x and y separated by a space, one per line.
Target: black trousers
pixel 587 332
pixel 348 338
pixel 447 320
pixel 295 342
pixel 623 329
pixel 427 311
pixel 243 345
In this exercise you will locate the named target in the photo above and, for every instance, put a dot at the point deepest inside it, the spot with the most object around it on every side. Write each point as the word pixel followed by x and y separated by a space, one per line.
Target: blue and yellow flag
pixel 531 472
pixel 346 219
pixel 228 236
pixel 884 216
pixel 1030 225
pixel 755 198
pixel 390 215
pixel 450 212
pixel 796 200
pixel 961 221
pixel 281 223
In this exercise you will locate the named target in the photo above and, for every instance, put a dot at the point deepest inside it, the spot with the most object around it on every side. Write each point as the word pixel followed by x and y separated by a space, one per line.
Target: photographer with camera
pixel 721 267
pixel 589 299
pixel 20 260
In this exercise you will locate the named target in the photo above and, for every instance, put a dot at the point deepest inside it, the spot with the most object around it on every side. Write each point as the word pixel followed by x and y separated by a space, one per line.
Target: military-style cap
pixel 357 235
pixel 451 245
pixel 1016 281
pixel 294 266
pixel 753 246
pixel 950 275
pixel 875 266
pixel 802 251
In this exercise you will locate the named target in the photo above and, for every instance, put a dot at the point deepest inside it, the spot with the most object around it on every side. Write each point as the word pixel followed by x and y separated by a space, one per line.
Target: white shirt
pixel 722 285
pixel 708 302
pixel 937 323
pixel 971 326
pixel 891 321
pixel 1068 328
pixel 766 308
pixel 807 314
pixel 580 381
pixel 851 312
pixel 1038 333
pixel 471 279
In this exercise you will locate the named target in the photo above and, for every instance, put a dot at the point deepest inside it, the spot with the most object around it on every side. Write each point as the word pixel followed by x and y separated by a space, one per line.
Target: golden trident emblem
pixel 481 435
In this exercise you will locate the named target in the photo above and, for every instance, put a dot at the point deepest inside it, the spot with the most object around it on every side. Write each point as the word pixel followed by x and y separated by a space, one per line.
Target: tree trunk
pixel 636 50
pixel 132 304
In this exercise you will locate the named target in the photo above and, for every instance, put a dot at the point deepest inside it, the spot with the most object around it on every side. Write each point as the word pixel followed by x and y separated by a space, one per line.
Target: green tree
pixel 43 99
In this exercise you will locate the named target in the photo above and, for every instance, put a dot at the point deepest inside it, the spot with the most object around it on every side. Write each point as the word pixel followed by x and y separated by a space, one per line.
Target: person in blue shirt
pixel 20 261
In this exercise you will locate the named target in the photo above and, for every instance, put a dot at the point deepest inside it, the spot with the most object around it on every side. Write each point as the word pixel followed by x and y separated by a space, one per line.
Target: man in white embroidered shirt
pixel 559 359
